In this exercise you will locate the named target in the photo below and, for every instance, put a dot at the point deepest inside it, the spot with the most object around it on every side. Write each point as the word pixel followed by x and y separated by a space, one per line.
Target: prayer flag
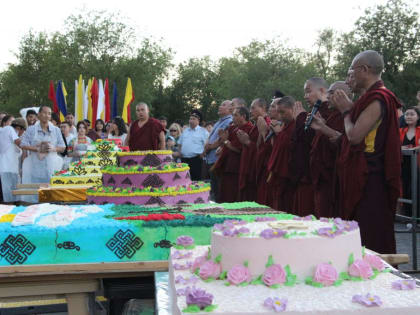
pixel 78 105
pixel 114 111
pixel 61 100
pixel 51 96
pixel 101 101
pixel 128 99
pixel 107 105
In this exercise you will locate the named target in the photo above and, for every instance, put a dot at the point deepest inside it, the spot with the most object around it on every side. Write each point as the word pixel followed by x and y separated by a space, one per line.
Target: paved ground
pixel 404 246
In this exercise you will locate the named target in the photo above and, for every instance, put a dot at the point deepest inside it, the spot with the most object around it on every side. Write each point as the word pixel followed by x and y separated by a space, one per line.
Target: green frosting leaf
pixel 287 269
pixel 351 259
pixel 363 251
pixel 210 279
pixel 246 263
pixel 344 276
pixel 308 280
pixel 210 308
pixel 223 275
pixel 190 247
pixel 179 247
pixel 218 259
pixel 243 284
pixel 227 284
pixel 270 261
pixel 208 254
pixel 193 308
pixel 257 281
pixel 338 283
pixel 274 286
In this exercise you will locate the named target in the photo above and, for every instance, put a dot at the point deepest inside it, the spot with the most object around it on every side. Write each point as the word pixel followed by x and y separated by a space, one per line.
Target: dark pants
pixel 195 166
pixel 214 182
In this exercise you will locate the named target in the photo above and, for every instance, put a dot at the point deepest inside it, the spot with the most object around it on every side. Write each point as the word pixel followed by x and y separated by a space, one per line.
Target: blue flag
pixel 114 108
pixel 61 101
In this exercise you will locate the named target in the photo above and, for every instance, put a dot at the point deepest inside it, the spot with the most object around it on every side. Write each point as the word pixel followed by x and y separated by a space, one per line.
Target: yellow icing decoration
pixel 154 194
pixel 289 225
pixel 7 218
pixel 181 169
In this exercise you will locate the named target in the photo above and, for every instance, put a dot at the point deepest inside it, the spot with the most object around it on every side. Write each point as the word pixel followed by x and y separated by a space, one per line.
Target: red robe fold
pixel 227 165
pixel 278 168
pixel 323 158
pixel 248 167
pixel 370 182
pixel 146 137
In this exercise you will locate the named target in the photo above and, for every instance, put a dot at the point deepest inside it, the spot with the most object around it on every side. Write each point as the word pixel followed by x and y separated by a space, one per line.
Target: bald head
pixel 318 82
pixel 372 59
pixel 258 108
pixel 238 102
pixel 315 89
pixel 142 111
pixel 340 85
pixel 285 108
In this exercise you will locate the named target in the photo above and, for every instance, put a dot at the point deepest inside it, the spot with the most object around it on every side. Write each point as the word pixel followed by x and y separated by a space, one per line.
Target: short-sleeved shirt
pixel 192 141
pixel 35 133
pixel 222 123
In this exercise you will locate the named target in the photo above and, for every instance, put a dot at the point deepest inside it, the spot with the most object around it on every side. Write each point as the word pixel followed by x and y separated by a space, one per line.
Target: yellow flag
pixel 79 105
pixel 128 99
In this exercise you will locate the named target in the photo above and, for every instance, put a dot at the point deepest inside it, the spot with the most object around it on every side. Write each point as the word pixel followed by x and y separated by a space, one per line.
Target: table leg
pixel 77 304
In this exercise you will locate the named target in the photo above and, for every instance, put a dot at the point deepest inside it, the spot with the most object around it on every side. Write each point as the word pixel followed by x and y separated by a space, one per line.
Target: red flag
pixel 51 96
pixel 95 94
pixel 107 104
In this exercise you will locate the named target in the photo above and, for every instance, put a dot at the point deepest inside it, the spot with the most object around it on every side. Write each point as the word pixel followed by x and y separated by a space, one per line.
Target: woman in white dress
pixel 118 130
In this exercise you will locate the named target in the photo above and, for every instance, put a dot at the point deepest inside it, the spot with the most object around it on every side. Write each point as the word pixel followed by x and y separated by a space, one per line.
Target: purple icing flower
pixel 243 230
pixel 325 220
pixel 264 219
pixel 230 232
pixel 181 280
pixel 199 297
pixel 272 233
pixel 347 226
pixel 179 255
pixel 329 232
pixel 183 291
pixel 184 240
pixel 235 222
pixel 367 300
pixel 219 227
pixel 307 218
pixel 177 266
pixel 406 284
pixel 276 304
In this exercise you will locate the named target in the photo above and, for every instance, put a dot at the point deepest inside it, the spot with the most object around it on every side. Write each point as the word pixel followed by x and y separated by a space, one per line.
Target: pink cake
pixel 301 266
pixel 152 179
pixel 145 158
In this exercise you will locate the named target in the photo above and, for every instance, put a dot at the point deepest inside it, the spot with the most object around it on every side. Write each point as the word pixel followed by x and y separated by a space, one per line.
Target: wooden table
pixel 77 283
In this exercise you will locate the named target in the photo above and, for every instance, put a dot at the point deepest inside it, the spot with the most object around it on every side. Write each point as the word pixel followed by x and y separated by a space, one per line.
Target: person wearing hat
pixel 191 144
pixel 9 157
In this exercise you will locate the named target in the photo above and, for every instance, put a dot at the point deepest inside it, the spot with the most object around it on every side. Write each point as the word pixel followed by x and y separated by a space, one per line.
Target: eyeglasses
pixel 173 130
pixel 352 69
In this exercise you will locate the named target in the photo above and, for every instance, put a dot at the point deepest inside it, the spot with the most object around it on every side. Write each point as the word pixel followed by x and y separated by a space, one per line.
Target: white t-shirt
pixel 9 151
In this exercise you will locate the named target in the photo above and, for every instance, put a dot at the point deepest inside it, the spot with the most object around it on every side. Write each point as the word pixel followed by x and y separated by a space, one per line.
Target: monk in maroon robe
pixel 227 165
pixel 369 164
pixel 324 155
pixel 248 164
pixel 146 133
pixel 278 163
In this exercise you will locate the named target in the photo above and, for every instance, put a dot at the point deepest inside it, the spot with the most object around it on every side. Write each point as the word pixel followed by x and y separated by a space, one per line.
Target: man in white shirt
pixel 10 157
pixel 191 145
pixel 70 120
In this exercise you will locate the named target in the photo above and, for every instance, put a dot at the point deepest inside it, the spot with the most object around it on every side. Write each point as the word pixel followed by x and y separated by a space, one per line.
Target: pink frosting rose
pixel 198 262
pixel 325 274
pixel 274 274
pixel 360 268
pixel 374 261
pixel 238 274
pixel 210 269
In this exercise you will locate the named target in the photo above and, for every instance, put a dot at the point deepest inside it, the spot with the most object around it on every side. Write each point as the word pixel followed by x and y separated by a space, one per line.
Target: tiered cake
pixel 148 177
pixel 88 170
pixel 299 266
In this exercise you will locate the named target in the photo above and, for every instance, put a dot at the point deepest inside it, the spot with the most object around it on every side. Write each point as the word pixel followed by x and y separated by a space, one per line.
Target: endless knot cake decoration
pixel 155 200
pixel 111 180
pixel 199 200
pixel 167 159
pixel 150 160
pixel 176 176
pixel 127 181
pixel 124 244
pixel 130 162
pixel 16 249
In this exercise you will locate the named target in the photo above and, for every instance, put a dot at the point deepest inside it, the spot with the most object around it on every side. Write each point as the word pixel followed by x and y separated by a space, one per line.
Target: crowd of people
pixel 341 160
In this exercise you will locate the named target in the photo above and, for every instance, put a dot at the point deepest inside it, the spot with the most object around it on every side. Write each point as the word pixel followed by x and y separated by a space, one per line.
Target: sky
pixel 192 28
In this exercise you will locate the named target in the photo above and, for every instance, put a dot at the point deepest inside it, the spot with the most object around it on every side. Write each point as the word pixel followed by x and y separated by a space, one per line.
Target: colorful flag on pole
pixel 114 111
pixel 78 104
pixel 94 95
pixel 51 96
pixel 89 97
pixel 128 99
pixel 85 100
pixel 107 105
pixel 101 101
pixel 61 100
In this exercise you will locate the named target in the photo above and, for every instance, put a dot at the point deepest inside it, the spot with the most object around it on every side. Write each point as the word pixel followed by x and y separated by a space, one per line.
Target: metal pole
pixel 414 206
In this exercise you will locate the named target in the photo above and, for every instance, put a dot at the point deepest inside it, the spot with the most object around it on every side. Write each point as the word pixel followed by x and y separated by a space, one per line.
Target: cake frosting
pixel 148 177
pixel 293 266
